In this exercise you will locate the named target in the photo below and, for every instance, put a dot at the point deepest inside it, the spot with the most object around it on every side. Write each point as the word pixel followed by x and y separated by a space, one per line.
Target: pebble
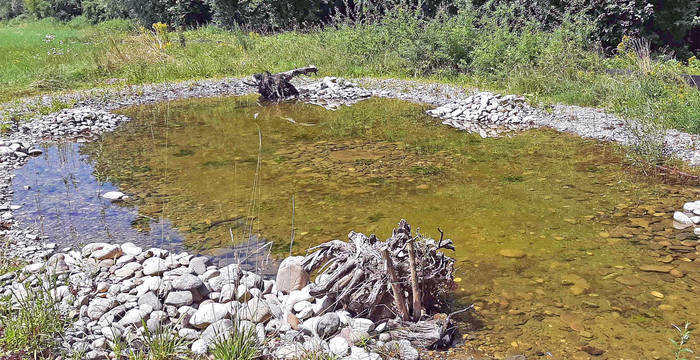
pixel 656 268
pixel 657 294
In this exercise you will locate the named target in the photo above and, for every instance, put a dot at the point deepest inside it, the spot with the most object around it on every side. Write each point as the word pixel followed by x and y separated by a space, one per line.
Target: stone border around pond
pixel 113 293
pixel 485 113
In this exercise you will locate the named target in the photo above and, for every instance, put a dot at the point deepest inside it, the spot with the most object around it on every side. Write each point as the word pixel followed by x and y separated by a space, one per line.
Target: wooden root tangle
pixel 404 279
pixel 277 87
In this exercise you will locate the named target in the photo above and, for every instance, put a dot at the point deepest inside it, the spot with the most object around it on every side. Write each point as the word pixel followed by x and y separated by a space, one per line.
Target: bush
pixel 79 22
pixel 11 8
pixel 176 13
pixel 116 25
pixel 60 9
pixel 266 15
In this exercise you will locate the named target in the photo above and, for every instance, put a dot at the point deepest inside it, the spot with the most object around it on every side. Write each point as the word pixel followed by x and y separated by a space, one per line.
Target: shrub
pixel 11 8
pixel 266 15
pixel 176 13
pixel 60 9
pixel 115 25
pixel 79 22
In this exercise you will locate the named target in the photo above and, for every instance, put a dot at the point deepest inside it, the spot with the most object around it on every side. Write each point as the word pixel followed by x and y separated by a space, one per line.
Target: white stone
pixel 108 251
pixel 111 333
pixel 291 275
pixel 295 297
pixel 154 266
pixel 128 270
pixel 339 346
pixel 301 305
pixel 114 195
pixel 255 310
pixel 133 317
pixel 362 324
pixel 217 330
pixel 358 353
pixel 99 306
pixel 208 314
pixel 179 298
pixel 199 347
pixel 186 282
pixel 682 218
pixel 290 352
pixel 130 249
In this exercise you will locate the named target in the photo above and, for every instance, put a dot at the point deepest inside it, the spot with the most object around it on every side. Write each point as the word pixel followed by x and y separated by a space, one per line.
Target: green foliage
pixel 34 325
pixel 59 9
pixel 115 25
pixel 266 15
pixel 664 23
pixel 549 66
pixel 238 345
pixel 10 9
pixel 164 343
pixel 680 344
pixel 176 13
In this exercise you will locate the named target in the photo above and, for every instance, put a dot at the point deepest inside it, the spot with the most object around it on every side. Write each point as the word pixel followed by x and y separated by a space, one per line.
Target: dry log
pixel 277 87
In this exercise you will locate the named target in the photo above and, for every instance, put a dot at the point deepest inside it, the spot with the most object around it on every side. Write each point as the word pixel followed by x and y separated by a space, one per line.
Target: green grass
pixel 547 67
pixel 238 345
pixel 33 327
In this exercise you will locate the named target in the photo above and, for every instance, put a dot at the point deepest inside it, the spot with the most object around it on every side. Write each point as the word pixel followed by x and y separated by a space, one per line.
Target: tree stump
pixel 277 87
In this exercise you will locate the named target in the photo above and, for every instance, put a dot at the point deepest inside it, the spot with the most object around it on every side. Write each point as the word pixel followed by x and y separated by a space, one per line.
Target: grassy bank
pixel 548 67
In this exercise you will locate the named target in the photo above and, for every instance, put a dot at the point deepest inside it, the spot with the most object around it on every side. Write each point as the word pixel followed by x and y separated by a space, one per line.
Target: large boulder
pixel 255 310
pixel 291 275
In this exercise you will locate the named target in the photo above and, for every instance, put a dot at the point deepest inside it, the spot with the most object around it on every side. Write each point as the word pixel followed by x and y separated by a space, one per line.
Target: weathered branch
pixel 417 298
pixel 395 286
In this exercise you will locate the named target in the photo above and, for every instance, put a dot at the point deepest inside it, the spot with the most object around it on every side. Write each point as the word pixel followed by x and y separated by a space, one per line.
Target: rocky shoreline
pixel 111 290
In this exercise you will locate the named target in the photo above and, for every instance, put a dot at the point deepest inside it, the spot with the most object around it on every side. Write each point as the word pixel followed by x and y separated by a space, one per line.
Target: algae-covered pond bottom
pixel 550 229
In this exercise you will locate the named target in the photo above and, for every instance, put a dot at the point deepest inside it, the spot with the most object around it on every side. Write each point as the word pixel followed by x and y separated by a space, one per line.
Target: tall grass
pixel 239 344
pixel 32 327
pixel 463 48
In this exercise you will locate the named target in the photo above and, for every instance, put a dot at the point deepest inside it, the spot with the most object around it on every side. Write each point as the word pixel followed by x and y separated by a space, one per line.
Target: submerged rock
pixel 114 195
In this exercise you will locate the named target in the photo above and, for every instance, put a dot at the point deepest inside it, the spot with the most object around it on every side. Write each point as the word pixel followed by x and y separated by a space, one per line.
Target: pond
pixel 550 229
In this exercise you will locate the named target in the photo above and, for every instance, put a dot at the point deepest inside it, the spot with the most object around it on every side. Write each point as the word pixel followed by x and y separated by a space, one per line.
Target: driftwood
pixel 277 87
pixel 404 279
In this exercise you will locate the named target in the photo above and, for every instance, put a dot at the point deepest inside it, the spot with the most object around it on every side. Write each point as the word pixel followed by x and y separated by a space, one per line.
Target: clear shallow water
pixel 64 201
pixel 584 220
pixel 61 195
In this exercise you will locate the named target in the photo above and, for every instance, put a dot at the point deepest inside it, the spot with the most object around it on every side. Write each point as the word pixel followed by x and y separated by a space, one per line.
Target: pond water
pixel 550 229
